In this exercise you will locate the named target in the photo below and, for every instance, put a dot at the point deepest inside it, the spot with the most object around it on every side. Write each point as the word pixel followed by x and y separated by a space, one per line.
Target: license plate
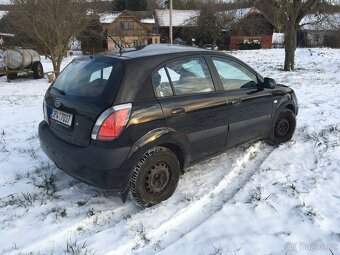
pixel 62 117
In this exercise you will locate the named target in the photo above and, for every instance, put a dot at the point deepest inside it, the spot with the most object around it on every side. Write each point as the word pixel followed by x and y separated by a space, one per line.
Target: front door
pixel 249 108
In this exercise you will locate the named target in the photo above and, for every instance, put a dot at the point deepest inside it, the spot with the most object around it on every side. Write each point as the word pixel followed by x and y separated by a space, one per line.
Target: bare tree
pixel 213 20
pixel 287 15
pixel 52 23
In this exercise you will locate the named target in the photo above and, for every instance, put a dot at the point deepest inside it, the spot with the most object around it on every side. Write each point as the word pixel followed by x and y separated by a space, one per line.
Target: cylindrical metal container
pixel 20 58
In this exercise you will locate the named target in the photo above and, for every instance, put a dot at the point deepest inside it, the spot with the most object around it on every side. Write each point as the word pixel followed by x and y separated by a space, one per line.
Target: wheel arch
pixel 288 104
pixel 291 107
pixel 178 151
pixel 163 137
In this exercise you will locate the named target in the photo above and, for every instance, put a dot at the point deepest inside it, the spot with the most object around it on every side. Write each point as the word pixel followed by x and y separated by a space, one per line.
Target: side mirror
pixel 269 83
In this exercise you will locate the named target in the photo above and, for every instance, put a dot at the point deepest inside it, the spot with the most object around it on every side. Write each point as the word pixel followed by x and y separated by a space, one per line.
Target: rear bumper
pixel 101 167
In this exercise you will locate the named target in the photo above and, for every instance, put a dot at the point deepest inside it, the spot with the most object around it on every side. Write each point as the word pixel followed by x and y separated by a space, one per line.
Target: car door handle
pixel 236 101
pixel 178 112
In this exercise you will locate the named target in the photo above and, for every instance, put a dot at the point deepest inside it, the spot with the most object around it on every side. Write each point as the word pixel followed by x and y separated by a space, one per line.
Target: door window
pixel 233 75
pixel 190 76
pixel 161 83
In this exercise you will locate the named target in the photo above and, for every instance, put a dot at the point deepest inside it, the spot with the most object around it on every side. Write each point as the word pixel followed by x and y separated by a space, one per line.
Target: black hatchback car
pixel 133 121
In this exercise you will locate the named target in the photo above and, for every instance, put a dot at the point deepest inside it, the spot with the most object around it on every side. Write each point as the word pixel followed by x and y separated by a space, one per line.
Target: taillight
pixel 111 123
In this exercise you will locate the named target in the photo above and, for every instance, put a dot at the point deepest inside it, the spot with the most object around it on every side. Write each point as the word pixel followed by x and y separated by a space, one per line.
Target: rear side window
pixel 233 75
pixel 190 76
pixel 89 77
pixel 161 83
pixel 187 76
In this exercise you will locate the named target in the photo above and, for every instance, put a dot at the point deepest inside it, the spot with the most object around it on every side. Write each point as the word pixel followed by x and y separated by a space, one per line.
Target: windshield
pixel 89 77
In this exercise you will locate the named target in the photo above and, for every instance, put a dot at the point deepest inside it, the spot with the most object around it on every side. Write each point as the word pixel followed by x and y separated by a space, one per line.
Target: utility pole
pixel 170 27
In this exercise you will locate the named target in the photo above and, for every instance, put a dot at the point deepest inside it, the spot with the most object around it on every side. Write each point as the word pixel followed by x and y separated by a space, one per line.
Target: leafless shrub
pixel 256 196
pixel 75 248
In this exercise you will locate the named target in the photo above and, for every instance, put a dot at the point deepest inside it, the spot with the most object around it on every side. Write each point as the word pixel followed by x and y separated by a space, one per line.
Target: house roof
pixel 142 14
pixel 112 17
pixel 108 18
pixel 180 18
pixel 239 14
pixel 321 22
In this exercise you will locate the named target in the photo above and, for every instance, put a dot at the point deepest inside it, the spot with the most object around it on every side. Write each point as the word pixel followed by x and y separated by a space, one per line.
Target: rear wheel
pixel 155 177
pixel 284 127
pixel 38 70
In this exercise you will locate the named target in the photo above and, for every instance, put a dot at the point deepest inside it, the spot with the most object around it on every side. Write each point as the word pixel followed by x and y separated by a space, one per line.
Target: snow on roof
pixel 241 13
pixel 148 21
pixel 107 18
pixel 7 34
pixel 179 17
pixel 3 13
pixel 321 22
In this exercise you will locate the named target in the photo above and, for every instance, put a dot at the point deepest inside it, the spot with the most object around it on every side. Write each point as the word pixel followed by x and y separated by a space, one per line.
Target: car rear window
pixel 89 77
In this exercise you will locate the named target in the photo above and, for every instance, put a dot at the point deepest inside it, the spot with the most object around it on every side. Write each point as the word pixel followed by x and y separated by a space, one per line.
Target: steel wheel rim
pixel 157 178
pixel 282 127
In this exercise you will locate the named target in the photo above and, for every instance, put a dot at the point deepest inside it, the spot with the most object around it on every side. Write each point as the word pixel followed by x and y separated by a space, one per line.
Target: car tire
pixel 155 177
pixel 38 71
pixel 283 128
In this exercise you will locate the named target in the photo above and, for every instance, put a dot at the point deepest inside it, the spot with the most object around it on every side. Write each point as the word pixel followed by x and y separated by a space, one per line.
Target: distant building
pixel 126 30
pixel 252 30
pixel 183 21
pixel 320 31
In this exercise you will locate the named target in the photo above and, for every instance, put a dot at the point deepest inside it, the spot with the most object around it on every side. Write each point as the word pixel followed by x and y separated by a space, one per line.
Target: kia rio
pixel 133 121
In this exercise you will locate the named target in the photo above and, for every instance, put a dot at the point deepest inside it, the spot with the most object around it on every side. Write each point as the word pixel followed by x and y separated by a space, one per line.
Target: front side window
pixel 233 75
pixel 190 76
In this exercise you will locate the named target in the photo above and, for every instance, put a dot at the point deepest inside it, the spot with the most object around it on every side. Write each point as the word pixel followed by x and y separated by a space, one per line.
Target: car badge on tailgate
pixel 57 103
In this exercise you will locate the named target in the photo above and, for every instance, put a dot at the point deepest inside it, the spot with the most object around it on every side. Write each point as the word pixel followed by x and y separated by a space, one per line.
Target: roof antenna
pixel 119 46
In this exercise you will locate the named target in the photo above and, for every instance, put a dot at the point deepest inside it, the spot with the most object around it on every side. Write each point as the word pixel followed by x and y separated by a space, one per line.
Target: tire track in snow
pixel 196 213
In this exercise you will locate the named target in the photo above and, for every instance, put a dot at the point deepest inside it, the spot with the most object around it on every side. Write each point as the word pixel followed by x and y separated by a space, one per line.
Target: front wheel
pixel 284 127
pixel 155 177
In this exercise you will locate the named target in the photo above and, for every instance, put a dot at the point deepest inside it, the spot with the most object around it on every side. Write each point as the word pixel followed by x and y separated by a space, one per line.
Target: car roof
pixel 152 50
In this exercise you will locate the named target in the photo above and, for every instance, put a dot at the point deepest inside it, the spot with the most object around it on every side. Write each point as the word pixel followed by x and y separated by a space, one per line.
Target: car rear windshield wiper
pixel 61 92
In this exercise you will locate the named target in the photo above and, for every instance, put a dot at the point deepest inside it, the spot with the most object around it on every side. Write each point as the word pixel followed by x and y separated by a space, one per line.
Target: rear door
pixel 191 105
pixel 83 90
pixel 249 107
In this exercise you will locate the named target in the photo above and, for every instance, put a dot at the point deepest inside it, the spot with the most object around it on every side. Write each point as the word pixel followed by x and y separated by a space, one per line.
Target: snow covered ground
pixel 254 199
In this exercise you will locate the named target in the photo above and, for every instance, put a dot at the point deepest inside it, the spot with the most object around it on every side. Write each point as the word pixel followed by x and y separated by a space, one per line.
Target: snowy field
pixel 254 199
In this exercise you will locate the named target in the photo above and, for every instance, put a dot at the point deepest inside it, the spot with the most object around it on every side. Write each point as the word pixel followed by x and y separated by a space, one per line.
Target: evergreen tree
pixel 131 5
